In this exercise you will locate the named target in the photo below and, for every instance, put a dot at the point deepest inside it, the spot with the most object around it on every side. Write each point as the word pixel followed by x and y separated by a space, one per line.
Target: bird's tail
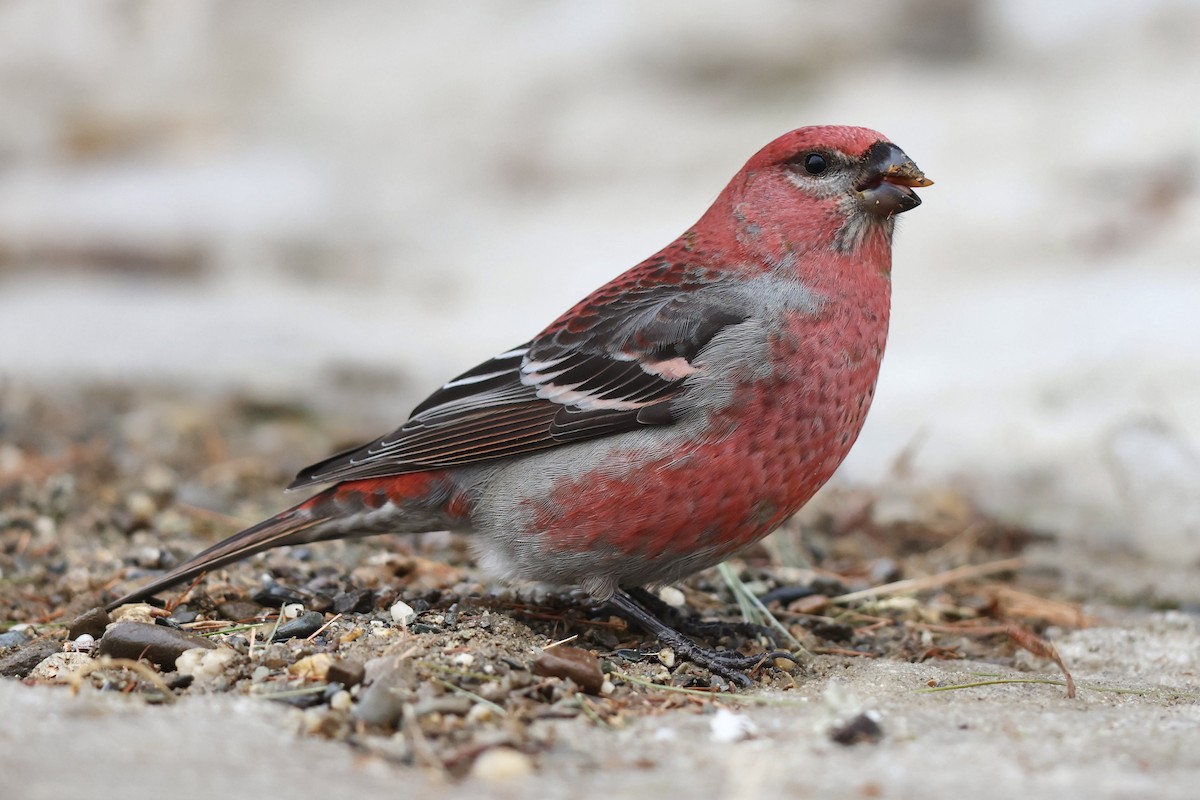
pixel 401 504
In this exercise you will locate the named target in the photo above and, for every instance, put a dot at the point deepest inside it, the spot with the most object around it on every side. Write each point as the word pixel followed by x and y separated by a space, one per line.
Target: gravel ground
pixel 396 664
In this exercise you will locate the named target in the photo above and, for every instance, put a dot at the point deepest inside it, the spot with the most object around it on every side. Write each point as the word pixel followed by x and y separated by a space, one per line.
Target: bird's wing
pixel 613 363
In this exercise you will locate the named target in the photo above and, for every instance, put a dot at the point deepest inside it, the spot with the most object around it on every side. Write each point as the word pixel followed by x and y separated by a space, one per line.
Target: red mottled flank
pixel 788 436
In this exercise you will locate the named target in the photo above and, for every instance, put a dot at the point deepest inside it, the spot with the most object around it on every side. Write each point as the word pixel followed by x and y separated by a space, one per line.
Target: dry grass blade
pixel 1043 649
pixel 933 581
pixel 108 662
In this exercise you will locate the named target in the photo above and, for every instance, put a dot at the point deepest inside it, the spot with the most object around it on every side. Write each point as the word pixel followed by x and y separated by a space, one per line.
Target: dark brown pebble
pixel 571 662
pixel 276 595
pixel 306 700
pixel 302 626
pixel 20 663
pixel 237 610
pixel 159 644
pixel 347 673
pixel 833 631
pixel 358 601
pixel 93 621
pixel 184 615
pixel 863 728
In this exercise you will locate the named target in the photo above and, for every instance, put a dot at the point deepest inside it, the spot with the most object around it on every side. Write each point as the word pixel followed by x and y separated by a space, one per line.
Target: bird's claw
pixel 729 664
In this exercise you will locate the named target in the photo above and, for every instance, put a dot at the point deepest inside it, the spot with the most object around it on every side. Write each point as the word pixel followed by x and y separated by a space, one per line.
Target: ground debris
pixel 393 644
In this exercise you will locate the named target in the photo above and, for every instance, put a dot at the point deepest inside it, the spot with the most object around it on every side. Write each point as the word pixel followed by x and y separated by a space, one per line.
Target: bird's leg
pixel 691 626
pixel 728 664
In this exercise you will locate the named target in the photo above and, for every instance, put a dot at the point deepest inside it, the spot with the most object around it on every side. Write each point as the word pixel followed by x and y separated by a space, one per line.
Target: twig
pixel 591 713
pixel 315 633
pixel 933 581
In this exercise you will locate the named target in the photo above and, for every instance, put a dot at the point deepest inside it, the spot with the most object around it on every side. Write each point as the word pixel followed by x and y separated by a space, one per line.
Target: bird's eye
pixel 815 164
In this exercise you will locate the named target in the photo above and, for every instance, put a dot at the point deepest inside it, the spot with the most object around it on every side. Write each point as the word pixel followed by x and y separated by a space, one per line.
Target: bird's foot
pixel 728 664
pixel 690 625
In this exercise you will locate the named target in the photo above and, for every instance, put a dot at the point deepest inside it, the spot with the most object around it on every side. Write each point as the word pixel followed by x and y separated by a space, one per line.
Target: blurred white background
pixel 348 203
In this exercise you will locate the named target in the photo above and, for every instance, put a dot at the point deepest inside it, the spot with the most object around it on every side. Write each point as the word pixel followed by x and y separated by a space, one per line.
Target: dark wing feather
pixel 610 366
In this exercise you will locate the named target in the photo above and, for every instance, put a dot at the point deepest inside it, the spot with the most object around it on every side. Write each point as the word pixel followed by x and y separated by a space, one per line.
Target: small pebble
pixel 832 631
pixel 463 660
pixel 346 672
pixel 312 668
pixel 93 621
pixel 579 665
pixel 341 701
pixel 863 728
pixel 156 643
pixel 237 610
pixel 501 764
pixel 82 644
pixel 274 595
pixel 260 674
pixel 159 480
pixel 302 627
pixel 358 601
pixel 20 662
pixel 205 665
pixel 135 612
pixel 402 613
pixel 293 610
pixel 666 657
pixel 15 637
pixel 481 712
pixel 672 597
pixel 607 687
pixel 141 507
pixel 59 667
pixel 183 615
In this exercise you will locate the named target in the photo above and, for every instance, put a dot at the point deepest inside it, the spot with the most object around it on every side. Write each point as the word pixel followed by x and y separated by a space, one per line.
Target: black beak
pixel 888 179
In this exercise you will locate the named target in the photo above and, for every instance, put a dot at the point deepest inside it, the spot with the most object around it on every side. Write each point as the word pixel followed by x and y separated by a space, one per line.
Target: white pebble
pixel 481 712
pixel 464 660
pixel 672 597
pixel 726 727
pixel 141 506
pixel 205 664
pixel 293 610
pixel 501 764
pixel 607 687
pixel 341 701
pixel 666 657
pixel 402 613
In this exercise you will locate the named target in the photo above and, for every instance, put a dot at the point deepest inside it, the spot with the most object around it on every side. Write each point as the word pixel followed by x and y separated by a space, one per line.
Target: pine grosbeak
pixel 674 416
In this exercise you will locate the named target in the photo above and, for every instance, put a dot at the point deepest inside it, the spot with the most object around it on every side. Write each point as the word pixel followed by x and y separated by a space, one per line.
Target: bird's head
pixel 824 185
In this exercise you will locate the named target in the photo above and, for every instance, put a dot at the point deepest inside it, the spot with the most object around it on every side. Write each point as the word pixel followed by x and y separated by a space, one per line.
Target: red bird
pixel 677 414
